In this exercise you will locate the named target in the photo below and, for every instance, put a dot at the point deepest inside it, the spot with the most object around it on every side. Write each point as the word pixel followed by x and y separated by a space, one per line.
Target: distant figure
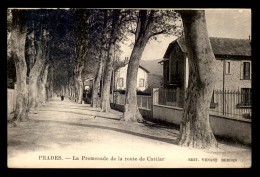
pixel 62 97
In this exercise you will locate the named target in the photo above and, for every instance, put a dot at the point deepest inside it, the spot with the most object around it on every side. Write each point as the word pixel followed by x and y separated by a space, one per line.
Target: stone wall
pixel 235 128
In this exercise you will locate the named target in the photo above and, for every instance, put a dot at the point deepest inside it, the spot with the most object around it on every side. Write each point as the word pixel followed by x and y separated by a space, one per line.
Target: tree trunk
pixel 131 112
pixel 42 85
pixel 50 83
pixel 96 85
pixel 33 80
pixel 71 91
pixel 67 91
pixel 76 92
pixel 143 33
pixel 105 96
pixel 79 83
pixel 70 85
pixel 195 128
pixel 18 37
pixel 80 92
pixel 62 90
pixel 105 103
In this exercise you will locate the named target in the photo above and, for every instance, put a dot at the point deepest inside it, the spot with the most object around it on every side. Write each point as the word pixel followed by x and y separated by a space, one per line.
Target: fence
pixel 143 101
pixel 227 102
pixel 11 98
pixel 171 97
pixel 232 103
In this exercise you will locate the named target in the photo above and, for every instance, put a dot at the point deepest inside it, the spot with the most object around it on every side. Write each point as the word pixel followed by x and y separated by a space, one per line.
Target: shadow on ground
pixel 94 115
pixel 166 140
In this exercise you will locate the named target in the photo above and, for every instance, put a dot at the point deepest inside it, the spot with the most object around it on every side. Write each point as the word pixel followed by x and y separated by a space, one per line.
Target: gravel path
pixel 64 134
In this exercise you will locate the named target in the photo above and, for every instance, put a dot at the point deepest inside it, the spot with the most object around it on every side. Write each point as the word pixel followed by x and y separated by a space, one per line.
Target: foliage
pixel 147 91
pixel 166 22
pixel 74 37
pixel 120 91
pixel 138 92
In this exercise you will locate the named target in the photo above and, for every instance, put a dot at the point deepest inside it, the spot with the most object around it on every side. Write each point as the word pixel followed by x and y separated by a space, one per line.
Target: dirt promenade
pixel 64 134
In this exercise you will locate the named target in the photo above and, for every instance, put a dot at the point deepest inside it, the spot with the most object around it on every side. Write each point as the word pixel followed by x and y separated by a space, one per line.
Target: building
pixel 155 76
pixel 88 84
pixel 121 75
pixel 233 62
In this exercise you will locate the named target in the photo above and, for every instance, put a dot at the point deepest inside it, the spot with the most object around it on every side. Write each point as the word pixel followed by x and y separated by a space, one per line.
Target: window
pixel 228 70
pixel 245 96
pixel 246 70
pixel 141 82
pixel 120 82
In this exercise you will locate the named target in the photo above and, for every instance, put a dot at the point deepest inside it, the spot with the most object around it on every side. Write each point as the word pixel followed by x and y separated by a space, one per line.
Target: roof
pixel 118 64
pixel 152 66
pixel 122 64
pixel 163 60
pixel 144 68
pixel 220 46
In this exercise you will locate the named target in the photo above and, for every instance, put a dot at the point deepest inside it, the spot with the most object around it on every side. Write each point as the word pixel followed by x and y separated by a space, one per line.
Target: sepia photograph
pixel 129 88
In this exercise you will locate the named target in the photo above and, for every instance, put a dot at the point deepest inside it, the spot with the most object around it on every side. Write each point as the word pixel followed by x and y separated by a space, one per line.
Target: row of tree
pixel 116 25
pixel 56 50
pixel 33 48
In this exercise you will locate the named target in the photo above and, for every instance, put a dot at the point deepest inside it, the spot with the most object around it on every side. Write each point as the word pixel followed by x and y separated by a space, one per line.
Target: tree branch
pixel 157 33
pixel 150 19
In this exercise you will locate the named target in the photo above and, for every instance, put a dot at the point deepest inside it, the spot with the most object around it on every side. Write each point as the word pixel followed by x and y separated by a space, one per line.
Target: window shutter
pixel 228 67
pixel 170 69
pixel 241 70
pixel 246 70
pixel 250 74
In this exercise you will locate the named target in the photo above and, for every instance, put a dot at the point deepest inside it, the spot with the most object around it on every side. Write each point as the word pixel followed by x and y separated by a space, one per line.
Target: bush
pixel 138 92
pixel 120 91
pixel 145 92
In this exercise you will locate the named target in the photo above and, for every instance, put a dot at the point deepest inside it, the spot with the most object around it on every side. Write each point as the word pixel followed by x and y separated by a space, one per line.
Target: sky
pixel 227 23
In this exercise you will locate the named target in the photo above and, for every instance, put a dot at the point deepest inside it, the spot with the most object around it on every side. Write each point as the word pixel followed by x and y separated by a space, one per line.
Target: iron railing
pixel 232 103
pixel 228 102
pixel 171 97
pixel 143 101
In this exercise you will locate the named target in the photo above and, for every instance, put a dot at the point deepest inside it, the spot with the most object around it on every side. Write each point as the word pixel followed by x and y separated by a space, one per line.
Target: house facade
pixel 121 75
pixel 233 62
pixel 233 65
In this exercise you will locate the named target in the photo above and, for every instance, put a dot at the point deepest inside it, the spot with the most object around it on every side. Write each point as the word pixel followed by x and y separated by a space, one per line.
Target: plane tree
pixel 116 33
pixel 18 31
pixel 104 31
pixel 146 26
pixel 98 50
pixel 112 29
pixel 39 37
pixel 82 40
pixel 195 130
pixel 64 54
